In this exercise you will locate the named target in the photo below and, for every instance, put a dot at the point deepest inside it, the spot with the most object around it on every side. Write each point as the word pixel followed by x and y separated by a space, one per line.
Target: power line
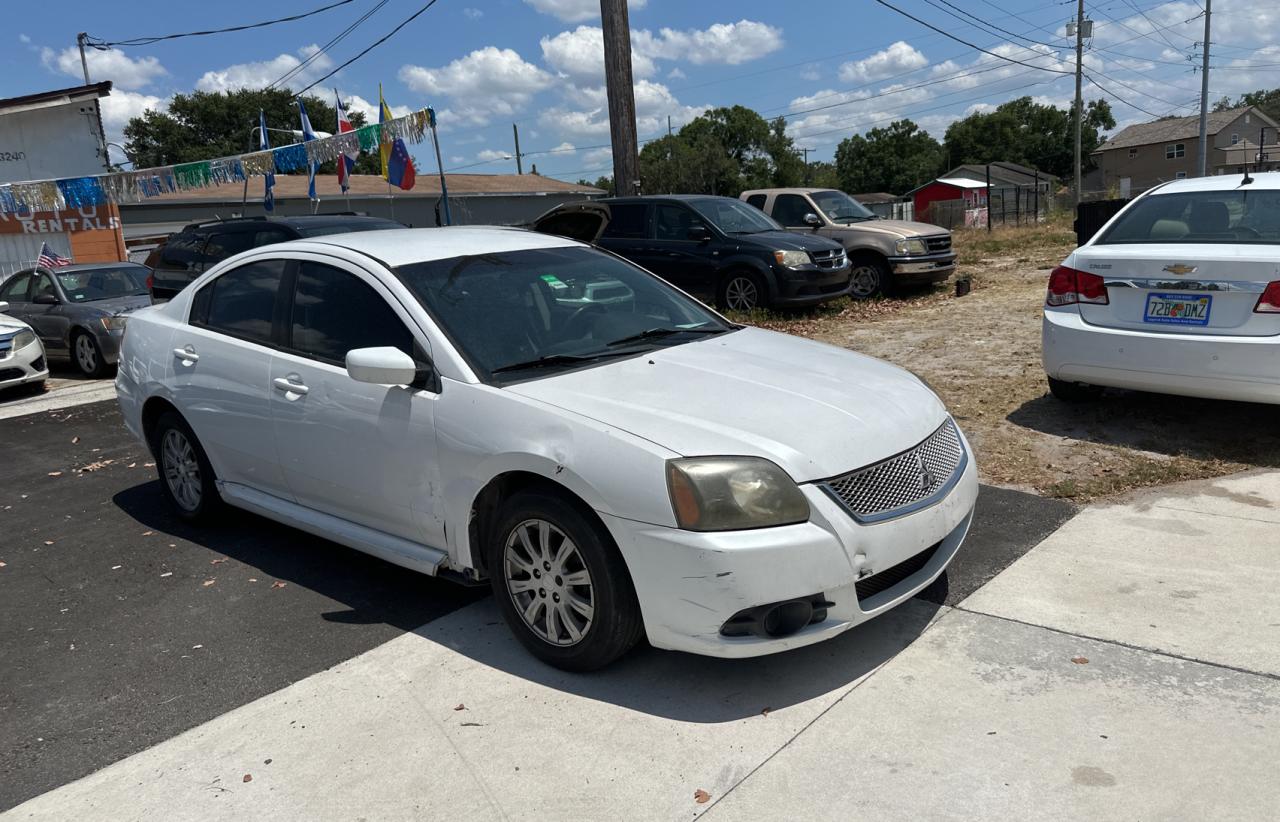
pixel 298 69
pixel 372 46
pixel 103 45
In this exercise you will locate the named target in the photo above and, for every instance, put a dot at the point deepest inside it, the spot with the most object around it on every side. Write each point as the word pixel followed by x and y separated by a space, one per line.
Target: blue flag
pixel 308 134
pixel 268 198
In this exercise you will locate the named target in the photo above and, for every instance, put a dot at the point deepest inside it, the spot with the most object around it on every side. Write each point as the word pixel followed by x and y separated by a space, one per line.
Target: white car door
pixel 221 373
pixel 362 452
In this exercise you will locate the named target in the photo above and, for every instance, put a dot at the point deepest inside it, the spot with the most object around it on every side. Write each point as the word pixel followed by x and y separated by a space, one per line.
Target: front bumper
pixel 689 584
pixel 929 268
pixel 1202 365
pixel 810 285
pixel 26 365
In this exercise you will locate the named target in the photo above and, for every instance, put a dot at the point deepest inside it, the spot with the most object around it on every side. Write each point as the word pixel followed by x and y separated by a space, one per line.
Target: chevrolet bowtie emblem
pixel 1180 269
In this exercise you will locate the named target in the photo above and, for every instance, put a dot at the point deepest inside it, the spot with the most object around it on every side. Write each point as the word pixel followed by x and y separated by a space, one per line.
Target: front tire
pixel 561 584
pixel 87 356
pixel 868 277
pixel 1074 391
pixel 742 291
pixel 186 477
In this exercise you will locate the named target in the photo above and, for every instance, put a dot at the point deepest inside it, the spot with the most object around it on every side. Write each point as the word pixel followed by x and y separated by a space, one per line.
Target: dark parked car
pixel 78 311
pixel 185 255
pixel 724 250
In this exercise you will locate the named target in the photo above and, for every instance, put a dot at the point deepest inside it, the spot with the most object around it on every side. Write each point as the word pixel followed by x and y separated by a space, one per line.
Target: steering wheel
pixel 1249 232
pixel 579 316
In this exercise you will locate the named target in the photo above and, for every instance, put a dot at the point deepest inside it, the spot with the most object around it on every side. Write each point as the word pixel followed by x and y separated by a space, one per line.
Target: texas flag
pixel 346 160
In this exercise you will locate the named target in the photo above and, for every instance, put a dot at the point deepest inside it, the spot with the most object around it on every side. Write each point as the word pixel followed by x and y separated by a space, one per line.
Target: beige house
pixel 1147 154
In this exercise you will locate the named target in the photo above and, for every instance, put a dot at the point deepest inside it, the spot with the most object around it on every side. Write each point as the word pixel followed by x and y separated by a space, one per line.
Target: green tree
pixel 688 164
pixel 1023 131
pixel 724 151
pixel 896 158
pixel 602 183
pixel 204 125
pixel 1267 101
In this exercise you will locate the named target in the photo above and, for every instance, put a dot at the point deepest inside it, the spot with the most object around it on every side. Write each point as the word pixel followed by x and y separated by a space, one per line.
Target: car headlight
pixel 792 259
pixel 733 493
pixel 912 246
pixel 23 339
pixel 114 323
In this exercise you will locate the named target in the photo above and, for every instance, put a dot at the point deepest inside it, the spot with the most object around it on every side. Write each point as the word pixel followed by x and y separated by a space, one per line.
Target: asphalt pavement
pixel 125 626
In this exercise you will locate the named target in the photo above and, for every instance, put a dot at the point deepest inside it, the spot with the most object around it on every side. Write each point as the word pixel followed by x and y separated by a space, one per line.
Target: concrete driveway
pixel 1127 667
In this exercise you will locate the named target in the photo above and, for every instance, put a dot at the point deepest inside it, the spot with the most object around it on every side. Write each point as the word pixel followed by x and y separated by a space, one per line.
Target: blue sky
pixel 484 64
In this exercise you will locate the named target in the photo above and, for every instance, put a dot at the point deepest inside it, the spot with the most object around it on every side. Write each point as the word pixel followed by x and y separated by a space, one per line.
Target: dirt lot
pixel 981 353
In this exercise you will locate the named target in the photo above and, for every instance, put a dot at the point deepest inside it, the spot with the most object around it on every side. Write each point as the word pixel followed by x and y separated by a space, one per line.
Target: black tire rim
pixel 865 281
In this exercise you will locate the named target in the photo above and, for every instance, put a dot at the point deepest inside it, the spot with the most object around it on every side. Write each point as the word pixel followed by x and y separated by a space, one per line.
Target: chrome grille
pixel 937 245
pixel 904 482
pixel 828 259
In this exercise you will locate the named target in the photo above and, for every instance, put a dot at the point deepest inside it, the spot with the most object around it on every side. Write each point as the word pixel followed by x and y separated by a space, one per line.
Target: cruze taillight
pixel 1269 302
pixel 1068 286
pixel 151 280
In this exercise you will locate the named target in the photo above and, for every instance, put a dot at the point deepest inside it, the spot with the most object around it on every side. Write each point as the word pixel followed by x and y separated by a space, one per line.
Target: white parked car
pixel 22 357
pixel 1179 293
pixel 617 458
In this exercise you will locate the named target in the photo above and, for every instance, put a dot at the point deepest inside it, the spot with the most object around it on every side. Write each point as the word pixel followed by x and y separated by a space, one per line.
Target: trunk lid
pixel 1183 288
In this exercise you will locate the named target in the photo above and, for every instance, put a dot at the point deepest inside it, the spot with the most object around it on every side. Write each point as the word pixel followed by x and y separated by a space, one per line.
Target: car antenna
pixel 1257 158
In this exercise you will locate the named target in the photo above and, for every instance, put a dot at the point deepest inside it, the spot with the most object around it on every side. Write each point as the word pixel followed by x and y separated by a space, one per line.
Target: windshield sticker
pixel 553 281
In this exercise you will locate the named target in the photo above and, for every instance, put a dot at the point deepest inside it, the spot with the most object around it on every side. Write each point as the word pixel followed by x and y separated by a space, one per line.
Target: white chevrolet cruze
pixel 495 403
pixel 1179 293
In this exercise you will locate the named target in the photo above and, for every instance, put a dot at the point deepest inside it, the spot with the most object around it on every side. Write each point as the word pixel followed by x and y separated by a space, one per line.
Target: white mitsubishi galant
pixel 495 403
pixel 1179 294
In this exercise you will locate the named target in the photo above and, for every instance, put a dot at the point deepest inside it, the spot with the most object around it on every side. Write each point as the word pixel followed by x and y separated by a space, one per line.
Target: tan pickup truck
pixel 884 253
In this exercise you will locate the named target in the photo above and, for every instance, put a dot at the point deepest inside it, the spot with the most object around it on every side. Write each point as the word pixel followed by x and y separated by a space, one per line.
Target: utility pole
pixel 84 64
pixel 622 100
pixel 668 125
pixel 515 130
pixel 1079 98
pixel 1203 153
pixel 81 39
pixel 806 164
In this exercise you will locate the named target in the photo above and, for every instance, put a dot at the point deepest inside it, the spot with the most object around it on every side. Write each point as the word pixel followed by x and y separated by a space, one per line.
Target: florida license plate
pixel 1178 309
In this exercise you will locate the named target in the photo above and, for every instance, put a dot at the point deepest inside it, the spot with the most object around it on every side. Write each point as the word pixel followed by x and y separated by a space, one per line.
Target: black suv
pixel 723 249
pixel 184 255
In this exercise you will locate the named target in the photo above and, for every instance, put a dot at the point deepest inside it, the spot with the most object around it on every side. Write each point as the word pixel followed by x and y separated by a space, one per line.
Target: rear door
pixel 1188 263
pixel 627 233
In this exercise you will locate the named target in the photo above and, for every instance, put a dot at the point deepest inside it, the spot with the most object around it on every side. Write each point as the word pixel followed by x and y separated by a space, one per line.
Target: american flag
pixel 50 259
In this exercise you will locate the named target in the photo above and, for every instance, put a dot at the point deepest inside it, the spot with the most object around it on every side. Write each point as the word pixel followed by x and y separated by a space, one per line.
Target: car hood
pixel 787 240
pixel 8 323
pixel 116 305
pixel 816 410
pixel 898 228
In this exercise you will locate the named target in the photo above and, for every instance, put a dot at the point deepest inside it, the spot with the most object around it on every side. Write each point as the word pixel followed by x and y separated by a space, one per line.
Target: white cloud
pixel 122 70
pixel 489 155
pixel 456 158
pixel 485 83
pixel 897 59
pixel 473 14
pixel 654 103
pixel 596 156
pixel 354 102
pixel 22 38
pixel 810 74
pixel 122 106
pixel 579 54
pixel 676 74
pixel 576 11
pixel 565 148
pixel 262 73
pixel 727 43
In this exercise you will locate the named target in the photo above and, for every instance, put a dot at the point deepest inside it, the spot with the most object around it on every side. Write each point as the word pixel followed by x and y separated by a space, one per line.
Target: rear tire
pixel 186 477
pixel 561 584
pixel 1074 391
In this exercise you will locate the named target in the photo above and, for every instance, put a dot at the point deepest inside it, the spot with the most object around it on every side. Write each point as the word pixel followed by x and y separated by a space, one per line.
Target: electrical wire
pixel 103 45
pixel 298 69
pixel 372 46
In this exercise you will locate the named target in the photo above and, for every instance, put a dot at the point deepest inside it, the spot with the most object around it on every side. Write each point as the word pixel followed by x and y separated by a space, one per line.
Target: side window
pixel 43 285
pixel 15 291
pixel 183 252
pixel 789 209
pixel 673 222
pixel 242 301
pixel 626 220
pixel 229 243
pixel 335 312
pixel 757 200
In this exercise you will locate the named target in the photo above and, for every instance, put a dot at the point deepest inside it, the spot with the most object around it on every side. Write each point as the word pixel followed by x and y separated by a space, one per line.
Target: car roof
pixel 792 190
pixel 651 198
pixel 1221 182
pixel 402 246
pixel 297 222
pixel 80 267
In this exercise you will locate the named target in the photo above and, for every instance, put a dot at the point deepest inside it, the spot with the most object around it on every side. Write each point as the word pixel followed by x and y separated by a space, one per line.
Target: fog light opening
pixel 787 618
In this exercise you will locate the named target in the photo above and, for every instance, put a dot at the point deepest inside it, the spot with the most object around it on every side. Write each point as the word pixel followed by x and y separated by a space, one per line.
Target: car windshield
pixel 734 216
pixel 346 227
pixel 89 284
pixel 520 314
pixel 1240 216
pixel 840 207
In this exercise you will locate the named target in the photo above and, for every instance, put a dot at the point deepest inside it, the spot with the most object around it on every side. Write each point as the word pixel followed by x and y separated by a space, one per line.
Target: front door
pixel 362 452
pixel 49 320
pixel 689 264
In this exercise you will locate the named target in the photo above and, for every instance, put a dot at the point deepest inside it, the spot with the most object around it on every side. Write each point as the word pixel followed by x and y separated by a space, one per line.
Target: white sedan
pixel 618 459
pixel 1179 294
pixel 22 357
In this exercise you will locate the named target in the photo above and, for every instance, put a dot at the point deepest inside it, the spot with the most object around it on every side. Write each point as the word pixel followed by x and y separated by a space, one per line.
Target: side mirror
pixel 45 299
pixel 812 220
pixel 4 306
pixel 381 366
pixel 699 233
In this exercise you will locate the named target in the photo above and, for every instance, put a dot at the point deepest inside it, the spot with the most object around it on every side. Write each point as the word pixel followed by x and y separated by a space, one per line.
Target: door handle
pixel 287 385
pixel 186 354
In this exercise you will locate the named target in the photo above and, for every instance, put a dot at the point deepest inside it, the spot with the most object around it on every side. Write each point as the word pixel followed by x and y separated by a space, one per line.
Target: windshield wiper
pixel 654 333
pixel 559 359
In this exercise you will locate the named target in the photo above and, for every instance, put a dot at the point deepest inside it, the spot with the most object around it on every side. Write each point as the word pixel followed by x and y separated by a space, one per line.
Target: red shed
pixel 973 192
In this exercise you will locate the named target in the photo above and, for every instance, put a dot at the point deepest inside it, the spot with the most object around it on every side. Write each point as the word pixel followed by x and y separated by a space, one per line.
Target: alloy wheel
pixel 865 281
pixel 549 582
pixel 741 294
pixel 86 354
pixel 181 469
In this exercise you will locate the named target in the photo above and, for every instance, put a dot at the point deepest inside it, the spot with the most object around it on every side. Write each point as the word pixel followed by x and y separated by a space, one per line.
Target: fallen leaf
pixel 133 465
pixel 48 542
pixel 208 582
pixel 167 574
pixel 74 440
pixel 253 579
pixel 766 711
pixel 148 465
pixel 147 533
pixel 460 707
pixel 55 473
pixel 1079 660
pixel 278 584
pixel 2 564
pixel 472 725
pixel 173 545
pixel 218 561
pixel 116 567
pixel 701 797
pixel 247 778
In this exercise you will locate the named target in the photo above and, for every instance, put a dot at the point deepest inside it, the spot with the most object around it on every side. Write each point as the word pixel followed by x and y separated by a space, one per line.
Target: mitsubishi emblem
pixel 1180 269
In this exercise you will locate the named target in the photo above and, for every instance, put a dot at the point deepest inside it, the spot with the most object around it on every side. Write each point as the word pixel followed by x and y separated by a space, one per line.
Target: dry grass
pixel 981 353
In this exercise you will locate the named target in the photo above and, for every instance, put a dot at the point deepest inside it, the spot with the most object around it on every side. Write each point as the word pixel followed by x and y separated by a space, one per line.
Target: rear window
pixel 183 252
pixel 1242 216
pixel 625 220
